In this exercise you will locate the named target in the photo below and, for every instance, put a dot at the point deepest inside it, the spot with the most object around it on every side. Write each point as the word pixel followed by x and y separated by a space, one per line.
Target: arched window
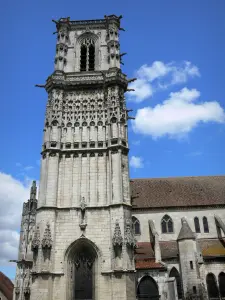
pixel 212 288
pixel 197 225
pixel 221 280
pixel 167 224
pixel 136 225
pixel 175 273
pixel 205 225
pixel 148 289
pixel 87 55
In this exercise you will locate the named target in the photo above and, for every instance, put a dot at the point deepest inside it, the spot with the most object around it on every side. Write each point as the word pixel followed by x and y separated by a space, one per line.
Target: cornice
pixel 85 79
pixel 177 208
pixel 43 208
pixel 71 151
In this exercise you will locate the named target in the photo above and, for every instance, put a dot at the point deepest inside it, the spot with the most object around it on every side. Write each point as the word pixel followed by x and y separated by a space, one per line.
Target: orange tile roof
pixel 212 248
pixel 148 264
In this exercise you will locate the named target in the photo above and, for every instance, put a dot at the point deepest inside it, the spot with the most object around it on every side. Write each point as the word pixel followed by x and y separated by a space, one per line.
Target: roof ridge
pixel 177 177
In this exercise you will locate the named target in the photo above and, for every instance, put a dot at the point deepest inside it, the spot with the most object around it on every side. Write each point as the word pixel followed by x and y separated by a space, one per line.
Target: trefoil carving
pixel 47 239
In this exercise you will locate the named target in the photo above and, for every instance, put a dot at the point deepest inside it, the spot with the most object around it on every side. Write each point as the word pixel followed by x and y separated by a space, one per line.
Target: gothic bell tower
pixel 84 243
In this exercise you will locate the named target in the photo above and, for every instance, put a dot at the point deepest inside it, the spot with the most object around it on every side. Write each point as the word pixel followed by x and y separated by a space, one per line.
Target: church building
pixel 93 233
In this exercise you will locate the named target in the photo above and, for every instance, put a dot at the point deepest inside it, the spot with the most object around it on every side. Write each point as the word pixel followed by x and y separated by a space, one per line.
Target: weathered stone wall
pixel 176 214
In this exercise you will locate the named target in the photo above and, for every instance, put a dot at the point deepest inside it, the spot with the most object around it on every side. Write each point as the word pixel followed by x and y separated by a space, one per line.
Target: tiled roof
pixel 148 264
pixel 6 286
pixel 179 191
pixel 212 248
pixel 169 249
pixel 144 250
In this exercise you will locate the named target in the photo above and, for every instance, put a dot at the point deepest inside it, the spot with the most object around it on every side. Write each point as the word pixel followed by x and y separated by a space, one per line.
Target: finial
pixel 33 190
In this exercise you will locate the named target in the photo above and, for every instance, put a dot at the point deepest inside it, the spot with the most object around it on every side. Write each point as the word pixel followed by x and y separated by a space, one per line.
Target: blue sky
pixel 181 45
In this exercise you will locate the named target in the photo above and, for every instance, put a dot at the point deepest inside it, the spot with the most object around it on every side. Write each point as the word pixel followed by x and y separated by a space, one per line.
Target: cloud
pixel 12 195
pixel 177 115
pixel 136 162
pixel 28 168
pixel 160 76
pixel 24 168
pixel 136 142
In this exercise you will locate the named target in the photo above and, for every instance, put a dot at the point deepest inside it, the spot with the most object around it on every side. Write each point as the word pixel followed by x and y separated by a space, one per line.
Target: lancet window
pixel 136 225
pixel 197 225
pixel 205 225
pixel 87 55
pixel 167 224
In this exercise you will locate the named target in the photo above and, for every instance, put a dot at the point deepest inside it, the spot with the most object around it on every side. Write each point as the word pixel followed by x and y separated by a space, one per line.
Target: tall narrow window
pixel 83 58
pixel 167 224
pixel 136 225
pixel 194 290
pixel 221 279
pixel 205 225
pixel 197 225
pixel 87 55
pixel 191 264
pixel 91 58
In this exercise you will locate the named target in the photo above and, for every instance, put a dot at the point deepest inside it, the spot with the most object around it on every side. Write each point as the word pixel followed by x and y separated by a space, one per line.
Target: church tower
pixel 83 243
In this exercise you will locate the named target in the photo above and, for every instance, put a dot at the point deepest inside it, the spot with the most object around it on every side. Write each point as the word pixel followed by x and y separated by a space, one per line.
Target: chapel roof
pixel 6 286
pixel 178 192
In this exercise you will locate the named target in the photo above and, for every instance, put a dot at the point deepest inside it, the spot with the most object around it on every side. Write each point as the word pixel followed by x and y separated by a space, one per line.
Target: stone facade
pixel 84 238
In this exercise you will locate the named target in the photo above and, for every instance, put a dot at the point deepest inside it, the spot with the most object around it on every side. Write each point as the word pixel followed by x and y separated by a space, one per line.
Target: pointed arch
pixel 212 288
pixel 221 279
pixel 82 258
pixel 205 225
pixel 197 225
pixel 167 224
pixel 175 273
pixel 136 225
pixel 88 44
pixel 147 289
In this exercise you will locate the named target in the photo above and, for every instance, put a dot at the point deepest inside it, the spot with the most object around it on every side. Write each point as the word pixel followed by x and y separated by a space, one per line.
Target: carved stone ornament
pixel 36 240
pixel 83 206
pixel 117 237
pixel 27 290
pixel 47 239
pixel 129 235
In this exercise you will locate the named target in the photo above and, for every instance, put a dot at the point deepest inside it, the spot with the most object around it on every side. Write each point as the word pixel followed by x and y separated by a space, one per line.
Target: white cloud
pixel 136 142
pixel 12 195
pixel 136 162
pixel 24 168
pixel 28 168
pixel 142 91
pixel 160 76
pixel 177 115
